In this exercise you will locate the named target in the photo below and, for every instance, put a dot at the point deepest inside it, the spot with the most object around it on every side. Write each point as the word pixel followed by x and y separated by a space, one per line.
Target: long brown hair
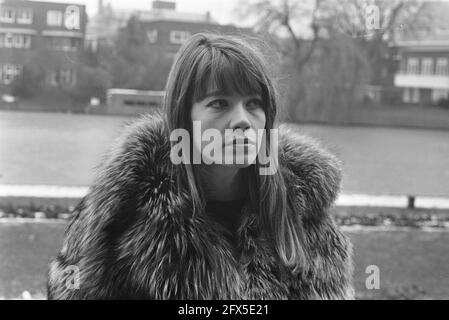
pixel 233 65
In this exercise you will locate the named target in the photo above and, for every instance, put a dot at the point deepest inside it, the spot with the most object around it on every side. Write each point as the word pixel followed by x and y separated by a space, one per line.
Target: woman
pixel 150 228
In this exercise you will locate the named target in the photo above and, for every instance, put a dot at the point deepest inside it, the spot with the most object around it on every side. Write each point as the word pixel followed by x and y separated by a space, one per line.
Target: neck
pixel 221 183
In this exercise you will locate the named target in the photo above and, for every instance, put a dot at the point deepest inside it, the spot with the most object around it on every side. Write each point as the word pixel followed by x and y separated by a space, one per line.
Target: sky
pixel 221 10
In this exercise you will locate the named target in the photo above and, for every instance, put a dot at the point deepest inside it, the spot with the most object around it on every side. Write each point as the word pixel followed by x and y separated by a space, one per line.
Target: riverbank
pixel 390 116
pixel 350 216
pixel 395 116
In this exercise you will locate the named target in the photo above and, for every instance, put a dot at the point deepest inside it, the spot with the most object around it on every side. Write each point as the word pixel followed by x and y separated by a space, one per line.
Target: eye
pixel 217 104
pixel 254 104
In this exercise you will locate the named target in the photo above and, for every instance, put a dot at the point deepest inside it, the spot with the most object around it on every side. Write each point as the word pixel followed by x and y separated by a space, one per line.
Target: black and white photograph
pixel 237 150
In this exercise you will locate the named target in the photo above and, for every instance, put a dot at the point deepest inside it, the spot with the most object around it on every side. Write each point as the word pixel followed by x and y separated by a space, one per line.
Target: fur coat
pixel 130 236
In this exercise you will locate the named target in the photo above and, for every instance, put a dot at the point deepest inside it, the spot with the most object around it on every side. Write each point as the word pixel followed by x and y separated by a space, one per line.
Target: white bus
pixel 133 102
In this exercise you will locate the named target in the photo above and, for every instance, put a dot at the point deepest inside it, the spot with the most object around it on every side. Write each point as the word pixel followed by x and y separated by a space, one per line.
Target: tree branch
pixel 315 29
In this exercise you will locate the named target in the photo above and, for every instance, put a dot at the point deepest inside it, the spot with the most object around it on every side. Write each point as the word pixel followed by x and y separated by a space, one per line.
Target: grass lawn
pixel 25 250
pixel 412 263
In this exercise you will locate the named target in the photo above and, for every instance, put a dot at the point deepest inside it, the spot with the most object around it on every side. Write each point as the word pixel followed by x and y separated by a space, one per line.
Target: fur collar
pixel 130 236
pixel 311 172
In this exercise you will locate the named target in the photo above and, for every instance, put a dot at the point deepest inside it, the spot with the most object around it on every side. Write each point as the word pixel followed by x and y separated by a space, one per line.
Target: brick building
pixel 164 31
pixel 167 36
pixel 166 28
pixel 52 33
pixel 423 74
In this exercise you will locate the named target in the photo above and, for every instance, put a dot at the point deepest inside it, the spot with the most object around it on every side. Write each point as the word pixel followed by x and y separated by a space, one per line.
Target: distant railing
pixel 26 193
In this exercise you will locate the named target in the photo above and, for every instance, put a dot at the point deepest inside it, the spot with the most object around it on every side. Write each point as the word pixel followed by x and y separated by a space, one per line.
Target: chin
pixel 238 166
pixel 248 160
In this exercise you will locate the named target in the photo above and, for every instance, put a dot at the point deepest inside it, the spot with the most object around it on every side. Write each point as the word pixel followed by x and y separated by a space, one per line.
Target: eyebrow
pixel 214 94
pixel 222 93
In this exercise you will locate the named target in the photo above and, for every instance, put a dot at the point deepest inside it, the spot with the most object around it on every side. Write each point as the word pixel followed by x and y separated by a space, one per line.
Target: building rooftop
pixel 37 2
pixel 426 41
pixel 171 15
pixel 133 92
pixel 108 20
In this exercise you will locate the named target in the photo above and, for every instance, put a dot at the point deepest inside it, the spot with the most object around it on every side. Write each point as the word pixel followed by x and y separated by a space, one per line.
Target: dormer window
pixel 7 15
pixel 54 18
pixel 25 16
pixel 179 37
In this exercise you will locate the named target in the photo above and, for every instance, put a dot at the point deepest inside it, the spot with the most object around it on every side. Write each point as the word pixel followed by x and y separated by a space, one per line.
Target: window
pixel 27 42
pixel 64 44
pixel 179 37
pixel 412 65
pixel 152 36
pixel 25 15
pixel 18 41
pixel 54 18
pixel 406 95
pixel 442 67
pixel 9 40
pixel 53 78
pixel 410 95
pixel 427 66
pixel 67 44
pixel 65 77
pixel 10 72
pixel 439 94
pixel 75 43
pixel 7 15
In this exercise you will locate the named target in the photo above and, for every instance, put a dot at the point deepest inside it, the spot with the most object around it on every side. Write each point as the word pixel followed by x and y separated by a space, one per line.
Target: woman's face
pixel 241 114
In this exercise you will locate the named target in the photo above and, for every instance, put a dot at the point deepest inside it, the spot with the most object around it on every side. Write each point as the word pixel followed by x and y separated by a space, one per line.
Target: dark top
pixel 227 214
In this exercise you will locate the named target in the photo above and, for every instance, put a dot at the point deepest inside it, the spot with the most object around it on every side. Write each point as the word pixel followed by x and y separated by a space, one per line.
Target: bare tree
pixel 282 20
pixel 374 25
pixel 328 50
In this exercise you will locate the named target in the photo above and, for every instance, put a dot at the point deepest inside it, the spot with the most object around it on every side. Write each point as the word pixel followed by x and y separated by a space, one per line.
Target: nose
pixel 239 118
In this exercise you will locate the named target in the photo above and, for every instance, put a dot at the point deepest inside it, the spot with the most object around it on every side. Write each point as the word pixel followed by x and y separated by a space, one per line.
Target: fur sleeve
pixel 87 266
pixel 329 274
pixel 313 178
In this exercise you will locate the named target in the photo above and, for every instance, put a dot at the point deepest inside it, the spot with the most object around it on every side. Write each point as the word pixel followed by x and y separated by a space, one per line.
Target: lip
pixel 241 145
pixel 241 142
